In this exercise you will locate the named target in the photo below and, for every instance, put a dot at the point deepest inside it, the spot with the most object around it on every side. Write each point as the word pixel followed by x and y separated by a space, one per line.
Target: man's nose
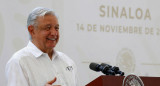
pixel 54 32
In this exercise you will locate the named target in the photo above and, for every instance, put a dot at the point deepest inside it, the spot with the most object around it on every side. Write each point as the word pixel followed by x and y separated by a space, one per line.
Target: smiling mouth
pixel 53 39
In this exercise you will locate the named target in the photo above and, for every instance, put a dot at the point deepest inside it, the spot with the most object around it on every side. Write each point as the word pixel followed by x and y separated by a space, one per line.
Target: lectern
pixel 106 80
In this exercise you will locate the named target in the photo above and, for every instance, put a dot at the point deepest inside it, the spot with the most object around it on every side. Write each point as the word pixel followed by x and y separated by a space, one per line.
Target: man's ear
pixel 31 30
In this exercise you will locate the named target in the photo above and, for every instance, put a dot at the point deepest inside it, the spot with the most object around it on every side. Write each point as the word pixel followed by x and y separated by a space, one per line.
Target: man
pixel 38 64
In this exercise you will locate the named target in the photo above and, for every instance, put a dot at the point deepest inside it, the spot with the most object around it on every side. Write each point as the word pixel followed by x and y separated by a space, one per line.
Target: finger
pixel 52 81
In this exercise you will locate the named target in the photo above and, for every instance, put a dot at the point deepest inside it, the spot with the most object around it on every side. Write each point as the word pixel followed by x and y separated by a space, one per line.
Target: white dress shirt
pixel 31 67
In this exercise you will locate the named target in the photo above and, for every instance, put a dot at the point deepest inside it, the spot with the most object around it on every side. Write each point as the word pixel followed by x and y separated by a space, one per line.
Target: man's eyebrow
pixel 47 25
pixel 56 25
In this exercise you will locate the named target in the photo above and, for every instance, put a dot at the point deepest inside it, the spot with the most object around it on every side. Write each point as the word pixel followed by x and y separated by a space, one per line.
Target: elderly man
pixel 38 64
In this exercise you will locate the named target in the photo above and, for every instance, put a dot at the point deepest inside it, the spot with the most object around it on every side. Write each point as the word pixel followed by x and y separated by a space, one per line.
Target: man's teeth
pixel 53 39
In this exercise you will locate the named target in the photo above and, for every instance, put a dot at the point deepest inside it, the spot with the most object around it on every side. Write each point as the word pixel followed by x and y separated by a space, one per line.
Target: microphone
pixel 105 68
pixel 96 67
pixel 115 69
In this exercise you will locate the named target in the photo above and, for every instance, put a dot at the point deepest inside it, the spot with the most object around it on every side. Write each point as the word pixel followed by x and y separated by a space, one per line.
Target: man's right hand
pixel 51 82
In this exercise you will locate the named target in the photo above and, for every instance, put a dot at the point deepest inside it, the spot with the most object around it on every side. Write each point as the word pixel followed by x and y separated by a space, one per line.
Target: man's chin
pixel 51 46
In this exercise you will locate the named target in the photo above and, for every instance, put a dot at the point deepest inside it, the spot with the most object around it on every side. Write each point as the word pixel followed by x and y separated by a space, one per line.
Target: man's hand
pixel 51 82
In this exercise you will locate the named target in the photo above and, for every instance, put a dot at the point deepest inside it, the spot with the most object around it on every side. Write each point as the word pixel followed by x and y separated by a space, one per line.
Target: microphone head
pixel 107 65
pixel 94 66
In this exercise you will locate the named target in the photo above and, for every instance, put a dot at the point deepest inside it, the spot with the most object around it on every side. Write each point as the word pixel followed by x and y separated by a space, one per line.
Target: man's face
pixel 46 34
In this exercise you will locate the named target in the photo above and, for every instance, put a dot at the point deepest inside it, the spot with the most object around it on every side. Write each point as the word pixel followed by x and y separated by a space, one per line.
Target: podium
pixel 106 80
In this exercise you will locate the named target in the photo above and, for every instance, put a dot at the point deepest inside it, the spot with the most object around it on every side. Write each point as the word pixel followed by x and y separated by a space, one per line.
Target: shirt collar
pixel 34 50
pixel 37 52
pixel 55 55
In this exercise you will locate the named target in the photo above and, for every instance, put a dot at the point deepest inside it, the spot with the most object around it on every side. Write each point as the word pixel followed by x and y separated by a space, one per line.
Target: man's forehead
pixel 49 25
pixel 48 19
pixel 46 16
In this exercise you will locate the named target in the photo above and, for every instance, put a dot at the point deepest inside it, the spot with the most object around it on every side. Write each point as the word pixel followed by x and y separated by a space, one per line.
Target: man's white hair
pixel 37 12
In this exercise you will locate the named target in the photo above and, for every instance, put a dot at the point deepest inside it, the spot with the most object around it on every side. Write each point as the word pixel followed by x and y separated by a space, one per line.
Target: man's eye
pixel 48 28
pixel 57 28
